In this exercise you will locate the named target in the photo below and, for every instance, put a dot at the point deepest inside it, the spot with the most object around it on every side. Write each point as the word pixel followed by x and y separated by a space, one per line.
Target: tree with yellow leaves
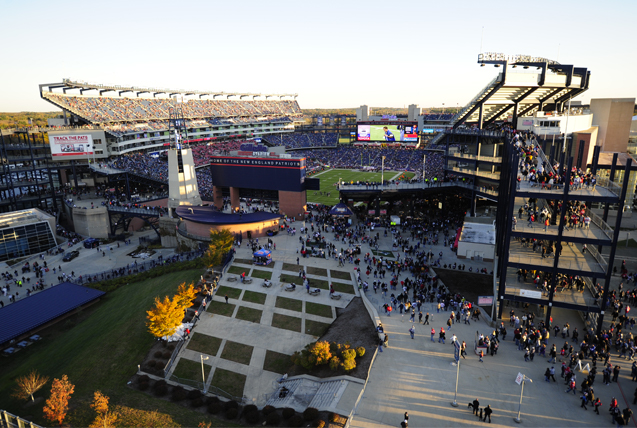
pixel 185 295
pixel 164 317
pixel 29 385
pixel 105 418
pixel 58 403
pixel 220 243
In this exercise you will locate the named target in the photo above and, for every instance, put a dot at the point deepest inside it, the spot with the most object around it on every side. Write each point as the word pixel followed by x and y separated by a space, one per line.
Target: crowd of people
pixel 300 140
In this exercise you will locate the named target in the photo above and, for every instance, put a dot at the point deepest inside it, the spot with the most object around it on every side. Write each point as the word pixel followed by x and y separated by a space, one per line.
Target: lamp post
pixel 203 374
pixel 443 108
pixel 340 182
pixel 455 396
pixel 524 378
pixel 424 158
pixel 382 173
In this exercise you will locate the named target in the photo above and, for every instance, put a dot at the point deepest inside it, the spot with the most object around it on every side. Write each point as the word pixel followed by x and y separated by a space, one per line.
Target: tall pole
pixel 424 158
pixel 524 378
pixel 203 374
pixel 382 172
pixel 455 396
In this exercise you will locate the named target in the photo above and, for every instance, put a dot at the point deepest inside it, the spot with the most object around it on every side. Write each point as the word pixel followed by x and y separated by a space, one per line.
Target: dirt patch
pixel 354 326
pixel 467 284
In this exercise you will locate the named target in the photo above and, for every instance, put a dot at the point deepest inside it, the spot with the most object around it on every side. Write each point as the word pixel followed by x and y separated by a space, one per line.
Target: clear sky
pixel 332 53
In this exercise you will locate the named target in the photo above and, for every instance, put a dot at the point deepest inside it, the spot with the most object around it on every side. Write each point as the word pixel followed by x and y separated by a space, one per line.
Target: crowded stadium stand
pixel 303 140
pixel 137 119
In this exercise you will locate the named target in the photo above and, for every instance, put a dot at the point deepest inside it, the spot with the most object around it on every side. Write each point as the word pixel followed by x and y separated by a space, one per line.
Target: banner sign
pixel 71 145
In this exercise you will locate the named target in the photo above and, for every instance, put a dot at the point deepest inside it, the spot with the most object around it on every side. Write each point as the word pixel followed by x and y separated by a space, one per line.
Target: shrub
pixel 212 400
pixel 335 362
pixel 158 354
pixel 143 386
pixel 288 412
pixel 167 355
pixel 334 417
pixel 179 394
pixel 160 391
pixel 143 379
pixel 252 417
pixel 230 405
pixel 232 413
pixel 194 393
pixel 171 348
pixel 349 364
pixel 160 383
pixel 319 423
pixel 250 408
pixel 215 408
pixel 273 418
pixel 360 351
pixel 197 402
pixel 151 363
pixel 349 354
pixel 268 409
pixel 310 414
pixel 295 421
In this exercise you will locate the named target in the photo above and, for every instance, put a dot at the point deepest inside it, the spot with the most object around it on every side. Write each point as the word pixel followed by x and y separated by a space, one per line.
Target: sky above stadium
pixel 334 54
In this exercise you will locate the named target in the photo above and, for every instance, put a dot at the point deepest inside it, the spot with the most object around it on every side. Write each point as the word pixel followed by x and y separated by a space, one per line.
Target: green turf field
pixel 331 177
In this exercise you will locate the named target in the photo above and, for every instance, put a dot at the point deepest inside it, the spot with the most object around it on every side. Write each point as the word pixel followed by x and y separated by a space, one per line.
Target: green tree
pixel 164 317
pixel 58 403
pixel 29 385
pixel 220 243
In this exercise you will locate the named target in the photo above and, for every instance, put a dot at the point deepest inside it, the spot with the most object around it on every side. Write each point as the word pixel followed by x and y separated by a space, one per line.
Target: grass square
pixel 340 274
pixel 294 279
pixel 188 369
pixel 221 308
pixel 316 271
pixel 290 267
pixel 343 288
pixel 249 314
pixel 254 297
pixel 232 293
pixel 238 270
pixel 287 323
pixel 289 304
pixel 318 309
pixel 315 328
pixel 276 362
pixel 263 274
pixel 204 344
pixel 237 352
pixel 230 382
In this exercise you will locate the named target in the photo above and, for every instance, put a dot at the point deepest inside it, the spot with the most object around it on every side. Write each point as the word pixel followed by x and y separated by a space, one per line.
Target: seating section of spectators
pixel 438 116
pixel 301 140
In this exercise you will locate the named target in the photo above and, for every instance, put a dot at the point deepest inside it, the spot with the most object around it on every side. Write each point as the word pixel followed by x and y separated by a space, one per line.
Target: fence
pixel 9 420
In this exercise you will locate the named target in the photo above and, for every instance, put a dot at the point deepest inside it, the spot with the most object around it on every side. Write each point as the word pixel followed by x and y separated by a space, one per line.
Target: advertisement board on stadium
pixel 407 132
pixel 258 173
pixel 71 145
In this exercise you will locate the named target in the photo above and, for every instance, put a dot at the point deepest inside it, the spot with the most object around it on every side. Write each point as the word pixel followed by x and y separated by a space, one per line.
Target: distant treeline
pixel 21 119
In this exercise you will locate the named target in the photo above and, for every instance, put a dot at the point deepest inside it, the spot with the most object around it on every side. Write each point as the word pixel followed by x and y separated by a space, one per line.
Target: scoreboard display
pixel 256 172
pixel 388 131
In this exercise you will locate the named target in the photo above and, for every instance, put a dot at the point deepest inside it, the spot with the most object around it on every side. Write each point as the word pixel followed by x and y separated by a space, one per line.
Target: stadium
pixel 523 185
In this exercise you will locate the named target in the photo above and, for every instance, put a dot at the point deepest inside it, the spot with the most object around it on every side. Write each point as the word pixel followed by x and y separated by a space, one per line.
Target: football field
pixel 330 178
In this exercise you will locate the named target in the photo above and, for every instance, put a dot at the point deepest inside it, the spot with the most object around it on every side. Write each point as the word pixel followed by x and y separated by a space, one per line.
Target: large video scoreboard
pixel 388 131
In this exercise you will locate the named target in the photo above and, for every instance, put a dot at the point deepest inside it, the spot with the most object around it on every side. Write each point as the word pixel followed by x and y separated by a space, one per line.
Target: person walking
pixel 433 333
pixel 441 335
pixel 597 403
pixel 412 330
pixel 426 319
pixel 481 355
pixel 584 399
pixel 226 298
pixel 463 350
pixel 487 413
pixel 476 406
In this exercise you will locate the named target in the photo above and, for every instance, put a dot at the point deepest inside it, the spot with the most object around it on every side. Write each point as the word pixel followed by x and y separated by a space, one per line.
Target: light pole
pixel 203 374
pixel 424 158
pixel 382 173
pixel 443 108
pixel 455 403
pixel 524 378
pixel 340 182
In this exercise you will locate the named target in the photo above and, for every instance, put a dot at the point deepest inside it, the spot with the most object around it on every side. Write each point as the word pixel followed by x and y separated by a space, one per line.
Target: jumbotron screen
pixel 379 131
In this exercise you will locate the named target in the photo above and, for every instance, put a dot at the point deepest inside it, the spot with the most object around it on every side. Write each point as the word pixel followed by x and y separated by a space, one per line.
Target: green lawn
pixel 291 267
pixel 286 322
pixel 99 349
pixel 230 382
pixel 340 274
pixel 289 304
pixel 238 270
pixel 249 314
pixel 315 328
pixel 263 274
pixel 276 362
pixel 188 369
pixel 204 344
pixel 318 309
pixel 314 283
pixel 221 308
pixel 237 352
pixel 316 271
pixel 343 288
pixel 232 292
pixel 254 297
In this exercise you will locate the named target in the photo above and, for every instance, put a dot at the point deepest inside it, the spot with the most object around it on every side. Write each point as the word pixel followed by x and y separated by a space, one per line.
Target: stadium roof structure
pixel 69 84
pixel 518 92
pixel 27 314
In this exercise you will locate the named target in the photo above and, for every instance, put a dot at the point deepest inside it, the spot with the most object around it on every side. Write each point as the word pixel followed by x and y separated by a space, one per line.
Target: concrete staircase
pixel 304 393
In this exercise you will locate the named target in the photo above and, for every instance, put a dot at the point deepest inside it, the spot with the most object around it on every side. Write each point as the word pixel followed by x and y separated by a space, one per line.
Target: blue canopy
pixel 262 253
pixel 341 210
